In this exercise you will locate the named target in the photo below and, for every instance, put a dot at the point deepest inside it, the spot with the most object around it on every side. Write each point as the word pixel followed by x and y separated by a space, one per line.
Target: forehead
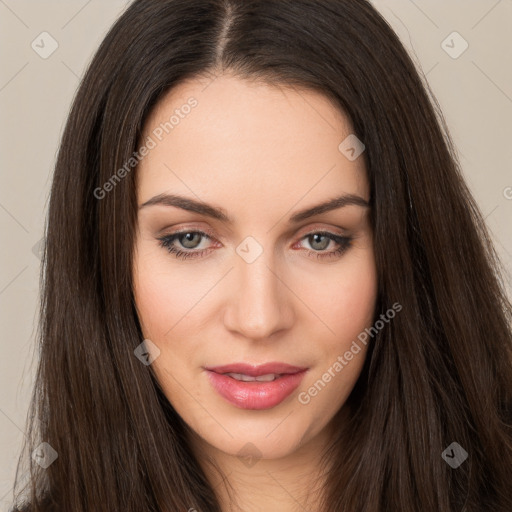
pixel 227 138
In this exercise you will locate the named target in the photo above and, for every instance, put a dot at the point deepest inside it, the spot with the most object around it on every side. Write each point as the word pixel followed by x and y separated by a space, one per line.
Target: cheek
pixel 347 307
pixel 161 300
pixel 153 301
pixel 355 298
pixel 344 298
pixel 163 296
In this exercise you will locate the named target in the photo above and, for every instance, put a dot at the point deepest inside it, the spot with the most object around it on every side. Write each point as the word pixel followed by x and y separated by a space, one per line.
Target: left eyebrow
pixel 220 214
pixel 333 204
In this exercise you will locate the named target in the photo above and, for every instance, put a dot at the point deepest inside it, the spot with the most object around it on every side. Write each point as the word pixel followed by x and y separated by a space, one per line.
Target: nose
pixel 260 303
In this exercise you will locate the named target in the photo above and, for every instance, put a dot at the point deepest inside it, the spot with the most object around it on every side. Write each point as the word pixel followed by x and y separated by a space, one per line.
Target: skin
pixel 261 153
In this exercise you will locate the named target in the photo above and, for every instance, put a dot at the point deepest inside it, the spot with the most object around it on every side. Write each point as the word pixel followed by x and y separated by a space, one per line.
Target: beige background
pixel 474 91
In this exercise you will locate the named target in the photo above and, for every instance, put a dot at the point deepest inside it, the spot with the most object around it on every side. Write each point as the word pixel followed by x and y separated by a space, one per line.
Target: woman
pixel 266 285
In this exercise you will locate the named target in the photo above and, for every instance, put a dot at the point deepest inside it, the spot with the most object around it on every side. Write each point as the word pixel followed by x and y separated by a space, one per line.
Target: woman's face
pixel 261 284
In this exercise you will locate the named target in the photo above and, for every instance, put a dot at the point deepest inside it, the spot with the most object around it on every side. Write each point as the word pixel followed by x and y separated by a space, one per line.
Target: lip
pixel 255 395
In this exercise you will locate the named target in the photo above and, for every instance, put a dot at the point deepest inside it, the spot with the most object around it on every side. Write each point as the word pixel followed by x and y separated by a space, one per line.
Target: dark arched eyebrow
pixel 215 212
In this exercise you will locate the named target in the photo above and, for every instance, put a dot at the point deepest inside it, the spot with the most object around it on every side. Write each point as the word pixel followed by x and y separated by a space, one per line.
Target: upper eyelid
pixel 210 232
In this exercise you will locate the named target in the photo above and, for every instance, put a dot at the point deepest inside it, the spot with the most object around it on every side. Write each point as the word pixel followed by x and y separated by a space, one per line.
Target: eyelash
pixel 167 243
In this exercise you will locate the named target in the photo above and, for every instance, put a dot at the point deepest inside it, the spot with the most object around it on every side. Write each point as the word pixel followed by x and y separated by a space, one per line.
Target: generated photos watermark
pixel 343 360
pixel 150 143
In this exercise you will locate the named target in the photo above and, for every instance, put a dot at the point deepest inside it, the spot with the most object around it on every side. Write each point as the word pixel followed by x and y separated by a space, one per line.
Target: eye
pixel 320 240
pixel 190 240
pixel 187 239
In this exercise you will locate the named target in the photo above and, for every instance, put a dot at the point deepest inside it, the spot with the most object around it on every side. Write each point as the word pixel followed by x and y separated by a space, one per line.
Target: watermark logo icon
pixel 351 147
pixel 44 45
pixel 454 455
pixel 454 45
pixel 44 455
pixel 249 249
pixel 147 352
pixel 37 249
pixel 249 455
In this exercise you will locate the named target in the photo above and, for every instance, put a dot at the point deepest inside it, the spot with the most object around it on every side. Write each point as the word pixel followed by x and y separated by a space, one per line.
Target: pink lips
pixel 255 394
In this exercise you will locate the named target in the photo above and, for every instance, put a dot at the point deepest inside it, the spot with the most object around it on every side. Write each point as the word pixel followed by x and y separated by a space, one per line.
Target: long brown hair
pixel 440 372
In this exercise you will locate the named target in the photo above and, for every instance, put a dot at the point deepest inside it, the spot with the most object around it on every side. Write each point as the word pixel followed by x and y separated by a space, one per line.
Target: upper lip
pixel 256 370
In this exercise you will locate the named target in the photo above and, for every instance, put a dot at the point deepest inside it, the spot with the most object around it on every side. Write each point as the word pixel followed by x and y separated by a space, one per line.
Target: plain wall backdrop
pixel 45 47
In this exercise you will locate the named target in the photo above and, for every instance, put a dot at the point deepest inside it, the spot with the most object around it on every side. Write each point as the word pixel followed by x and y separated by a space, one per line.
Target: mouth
pixel 255 387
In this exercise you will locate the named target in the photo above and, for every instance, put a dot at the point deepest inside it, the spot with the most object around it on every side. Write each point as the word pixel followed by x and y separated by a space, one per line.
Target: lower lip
pixel 255 395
